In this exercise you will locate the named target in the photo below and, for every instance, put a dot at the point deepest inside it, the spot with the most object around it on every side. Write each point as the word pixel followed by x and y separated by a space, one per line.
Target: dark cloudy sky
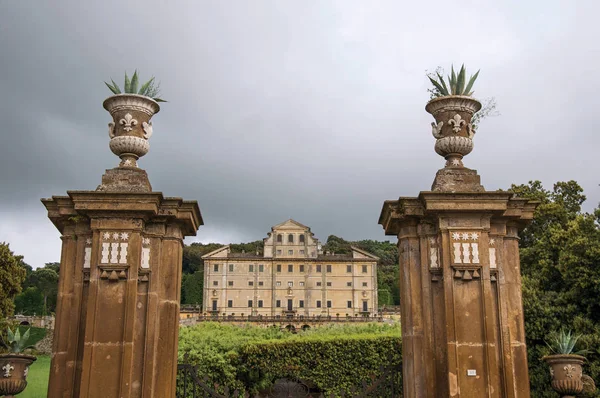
pixel 312 110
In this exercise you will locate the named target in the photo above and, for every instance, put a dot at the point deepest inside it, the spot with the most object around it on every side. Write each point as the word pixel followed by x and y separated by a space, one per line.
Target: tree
pixel 560 264
pixel 192 288
pixel 29 302
pixel 46 281
pixel 12 274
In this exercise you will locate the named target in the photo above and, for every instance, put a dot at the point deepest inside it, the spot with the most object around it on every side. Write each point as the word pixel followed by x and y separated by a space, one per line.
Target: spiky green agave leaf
pixel 460 81
pixel 470 84
pixel 115 85
pixel 111 88
pixel 133 87
pixel 127 84
pixel 438 86
pixel 10 335
pixel 445 92
pixel 159 100
pixel 453 82
pixel 145 87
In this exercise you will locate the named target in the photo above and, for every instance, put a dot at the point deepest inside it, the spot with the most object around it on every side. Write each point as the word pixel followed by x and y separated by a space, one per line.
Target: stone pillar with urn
pixel 117 312
pixel 462 317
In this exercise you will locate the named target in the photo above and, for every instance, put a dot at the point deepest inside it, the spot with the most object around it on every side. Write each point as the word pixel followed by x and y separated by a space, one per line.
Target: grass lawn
pixel 37 379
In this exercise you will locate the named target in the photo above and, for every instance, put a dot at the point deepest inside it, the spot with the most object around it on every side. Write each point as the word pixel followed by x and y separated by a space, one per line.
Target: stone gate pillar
pixel 117 314
pixel 462 318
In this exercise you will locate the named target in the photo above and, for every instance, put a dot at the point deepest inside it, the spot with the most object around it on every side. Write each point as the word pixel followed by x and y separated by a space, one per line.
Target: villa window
pixel 230 267
pixel 278 303
pixel 301 268
pixel 216 268
pixel 249 303
pixel 328 267
pixel 215 283
pixel 364 269
pixel 349 304
pixel 328 303
pixel 328 283
pixel 301 303
pixel 349 268
pixel 290 238
pixel 318 267
pixel 250 283
pixel 290 267
pixel 261 283
pixel 230 283
pixel 261 268
pixel 279 238
pixel 349 284
pixel 318 303
pixel 291 252
pixel 278 251
pixel 301 238
pixel 302 252
pixel 260 303
pixel 365 284
pixel 230 303
pixel 251 268
pixel 278 283
pixel 290 284
pixel 301 284
pixel 278 267
pixel 318 283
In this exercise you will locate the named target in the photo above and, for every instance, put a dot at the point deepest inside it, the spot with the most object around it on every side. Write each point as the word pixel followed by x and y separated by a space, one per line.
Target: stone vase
pixel 131 126
pixel 452 128
pixel 13 373
pixel 566 371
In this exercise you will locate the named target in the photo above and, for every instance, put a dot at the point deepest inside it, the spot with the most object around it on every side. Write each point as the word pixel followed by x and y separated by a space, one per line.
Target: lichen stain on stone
pixel 453 383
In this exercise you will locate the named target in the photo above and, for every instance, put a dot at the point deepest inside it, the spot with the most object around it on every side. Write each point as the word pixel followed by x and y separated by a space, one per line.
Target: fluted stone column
pixel 462 316
pixel 117 315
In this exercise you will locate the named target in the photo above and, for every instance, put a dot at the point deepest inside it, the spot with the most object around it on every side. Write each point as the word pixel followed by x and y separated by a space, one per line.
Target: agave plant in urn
pixel 14 365
pixel 453 108
pixel 565 365
pixel 129 131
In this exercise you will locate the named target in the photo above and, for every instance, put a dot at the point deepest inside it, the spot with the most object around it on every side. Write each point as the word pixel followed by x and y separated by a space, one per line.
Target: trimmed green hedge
pixel 333 358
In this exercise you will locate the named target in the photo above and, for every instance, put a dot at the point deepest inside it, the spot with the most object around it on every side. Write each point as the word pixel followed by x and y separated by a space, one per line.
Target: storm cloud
pixel 312 110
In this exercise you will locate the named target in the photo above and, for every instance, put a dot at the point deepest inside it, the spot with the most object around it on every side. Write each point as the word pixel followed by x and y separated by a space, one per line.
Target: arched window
pixel 301 238
pixel 279 238
pixel 291 238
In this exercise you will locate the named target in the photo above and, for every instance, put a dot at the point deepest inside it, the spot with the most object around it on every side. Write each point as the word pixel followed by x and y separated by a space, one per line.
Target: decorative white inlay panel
pixel 465 247
pixel 493 258
pixel 123 256
pixel 457 252
pixel 433 257
pixel 145 257
pixel 114 248
pixel 475 252
pixel 145 253
pixel 105 250
pixel 87 257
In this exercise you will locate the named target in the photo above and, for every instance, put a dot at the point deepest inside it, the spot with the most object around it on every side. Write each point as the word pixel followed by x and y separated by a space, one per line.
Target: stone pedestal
pixel 462 318
pixel 117 313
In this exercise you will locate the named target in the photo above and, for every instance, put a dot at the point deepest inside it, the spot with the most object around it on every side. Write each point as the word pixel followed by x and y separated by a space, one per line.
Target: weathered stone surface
pixel 462 318
pixel 125 179
pixel 457 179
pixel 119 289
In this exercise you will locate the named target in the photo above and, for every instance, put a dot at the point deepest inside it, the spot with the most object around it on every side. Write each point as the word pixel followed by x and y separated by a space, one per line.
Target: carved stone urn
pixel 452 128
pixel 566 372
pixel 131 126
pixel 13 373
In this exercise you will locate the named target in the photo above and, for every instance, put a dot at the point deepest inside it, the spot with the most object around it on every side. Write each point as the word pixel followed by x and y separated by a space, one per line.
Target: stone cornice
pixel 500 204
pixel 63 210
